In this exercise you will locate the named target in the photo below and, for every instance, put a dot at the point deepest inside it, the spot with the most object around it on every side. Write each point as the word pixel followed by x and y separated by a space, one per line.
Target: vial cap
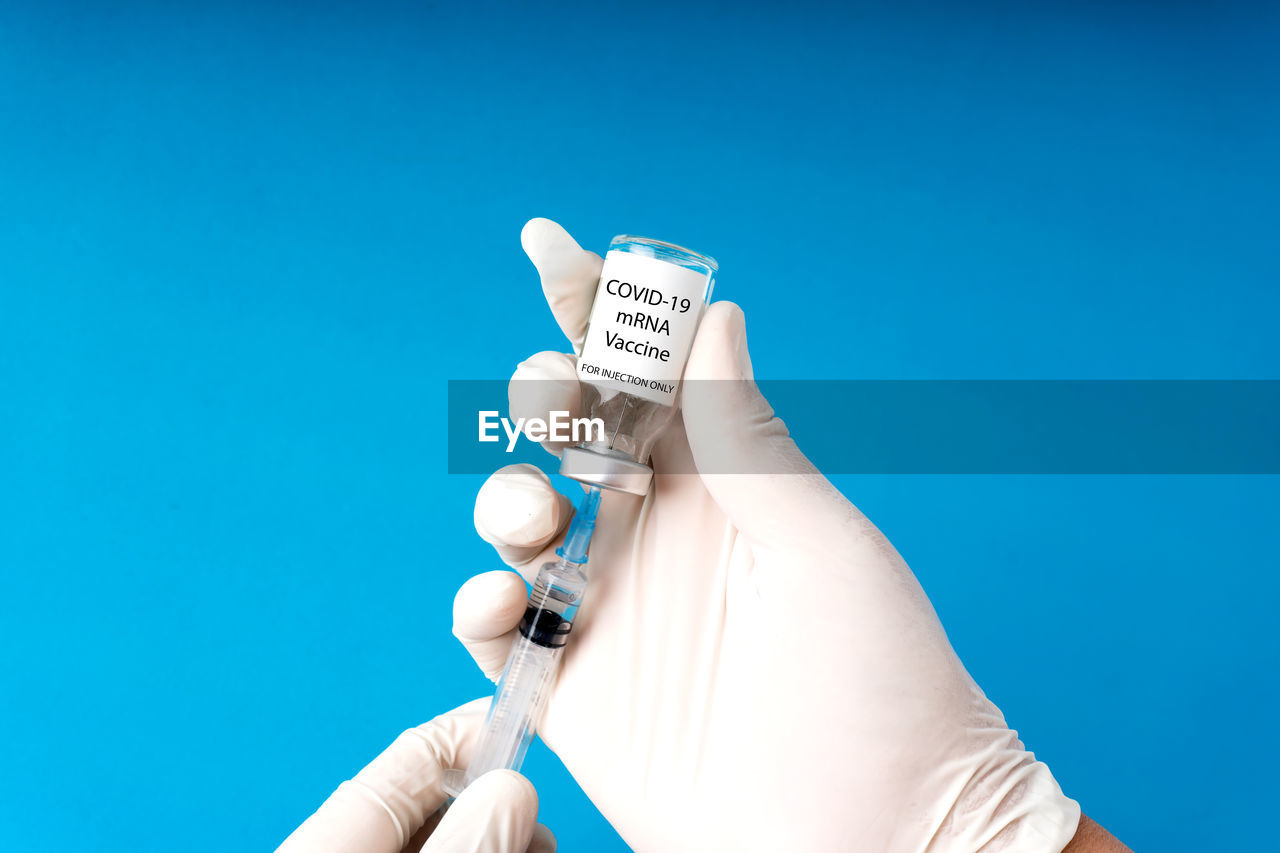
pixel 606 470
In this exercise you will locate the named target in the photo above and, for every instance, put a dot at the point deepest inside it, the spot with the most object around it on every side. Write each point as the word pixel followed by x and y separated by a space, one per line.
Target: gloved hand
pixel 754 666
pixel 391 805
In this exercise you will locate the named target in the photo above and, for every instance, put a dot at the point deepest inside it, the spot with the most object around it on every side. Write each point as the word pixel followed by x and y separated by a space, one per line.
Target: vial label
pixel 642 326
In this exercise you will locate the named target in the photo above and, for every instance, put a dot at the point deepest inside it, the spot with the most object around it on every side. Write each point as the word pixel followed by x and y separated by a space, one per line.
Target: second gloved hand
pixel 391 806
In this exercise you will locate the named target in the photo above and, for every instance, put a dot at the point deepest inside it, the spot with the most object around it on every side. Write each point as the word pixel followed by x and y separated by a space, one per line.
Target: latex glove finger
pixel 519 512
pixel 733 431
pixel 543 841
pixel 486 612
pixel 545 382
pixel 390 799
pixel 569 275
pixel 497 813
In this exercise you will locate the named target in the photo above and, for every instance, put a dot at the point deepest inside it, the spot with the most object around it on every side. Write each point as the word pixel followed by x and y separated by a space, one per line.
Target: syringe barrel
pixel 516 710
pixel 530 671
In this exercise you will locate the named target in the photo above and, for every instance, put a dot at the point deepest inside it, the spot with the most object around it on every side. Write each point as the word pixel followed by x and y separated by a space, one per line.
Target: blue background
pixel 242 250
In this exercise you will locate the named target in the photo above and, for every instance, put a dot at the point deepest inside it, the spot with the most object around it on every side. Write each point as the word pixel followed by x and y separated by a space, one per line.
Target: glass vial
pixel 648 303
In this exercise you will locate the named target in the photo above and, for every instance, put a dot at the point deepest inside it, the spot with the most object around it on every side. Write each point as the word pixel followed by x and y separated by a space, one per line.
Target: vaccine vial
pixel 648 303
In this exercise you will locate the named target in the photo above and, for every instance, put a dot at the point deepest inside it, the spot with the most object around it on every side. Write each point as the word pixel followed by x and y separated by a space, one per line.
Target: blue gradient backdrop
pixel 242 249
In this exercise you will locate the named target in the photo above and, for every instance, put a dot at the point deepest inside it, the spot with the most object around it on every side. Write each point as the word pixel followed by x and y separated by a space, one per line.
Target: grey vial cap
pixel 605 470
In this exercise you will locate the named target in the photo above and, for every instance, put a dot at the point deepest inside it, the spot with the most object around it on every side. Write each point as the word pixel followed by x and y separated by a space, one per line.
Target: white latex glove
pixel 392 804
pixel 754 666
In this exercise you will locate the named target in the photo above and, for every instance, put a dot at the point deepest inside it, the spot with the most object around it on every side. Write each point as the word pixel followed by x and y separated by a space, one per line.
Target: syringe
pixel 534 659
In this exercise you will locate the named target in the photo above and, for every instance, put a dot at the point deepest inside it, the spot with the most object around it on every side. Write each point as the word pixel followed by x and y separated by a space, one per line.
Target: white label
pixel 642 326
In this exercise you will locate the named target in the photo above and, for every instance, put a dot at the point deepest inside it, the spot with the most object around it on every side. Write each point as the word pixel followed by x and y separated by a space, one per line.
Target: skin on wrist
pixel 1091 838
